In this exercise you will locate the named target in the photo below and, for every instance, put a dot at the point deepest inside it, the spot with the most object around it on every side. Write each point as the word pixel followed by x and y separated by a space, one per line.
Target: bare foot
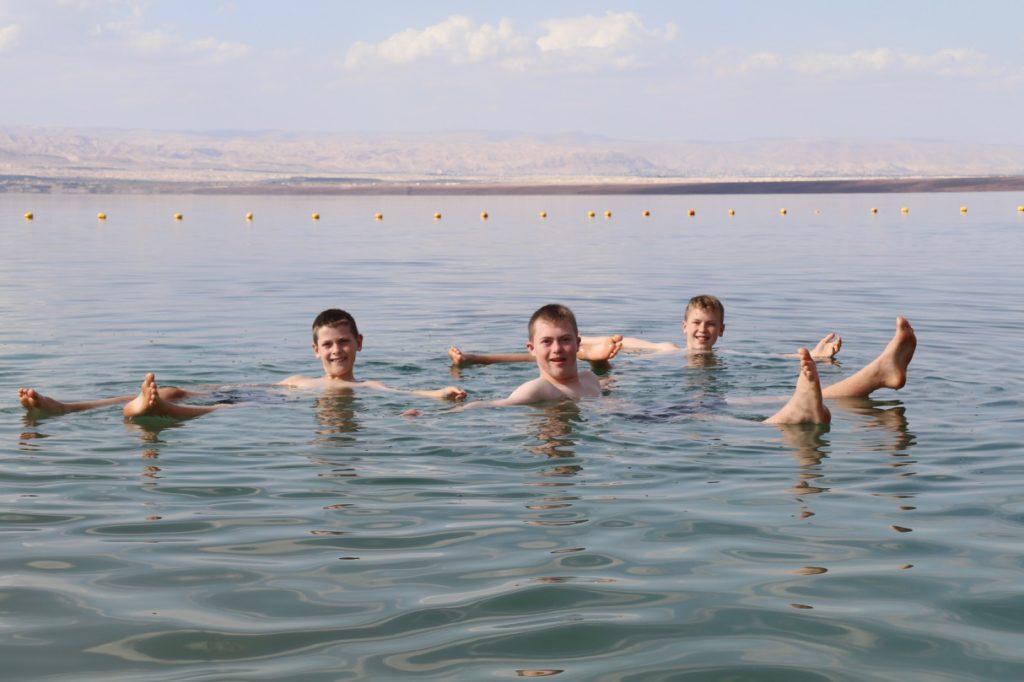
pixel 150 403
pixel 828 347
pixel 32 401
pixel 456 355
pixel 894 360
pixel 146 401
pixel 601 349
pixel 805 406
pixel 888 370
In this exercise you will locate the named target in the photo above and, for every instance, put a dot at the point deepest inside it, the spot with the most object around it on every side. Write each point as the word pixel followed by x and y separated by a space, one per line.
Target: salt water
pixel 660 532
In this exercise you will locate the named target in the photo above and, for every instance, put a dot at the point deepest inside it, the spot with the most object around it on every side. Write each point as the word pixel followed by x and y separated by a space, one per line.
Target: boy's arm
pixel 597 350
pixel 534 391
pixel 446 393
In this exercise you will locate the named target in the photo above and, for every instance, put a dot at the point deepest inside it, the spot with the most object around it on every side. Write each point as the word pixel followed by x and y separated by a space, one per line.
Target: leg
pixel 459 358
pixel 805 406
pixel 32 401
pixel 888 370
pixel 150 403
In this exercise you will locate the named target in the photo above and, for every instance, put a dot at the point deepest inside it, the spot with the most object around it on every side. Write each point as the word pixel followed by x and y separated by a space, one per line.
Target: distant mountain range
pixel 44 158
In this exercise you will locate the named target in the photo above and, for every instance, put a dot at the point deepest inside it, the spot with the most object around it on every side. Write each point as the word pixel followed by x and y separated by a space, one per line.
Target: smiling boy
pixel 553 343
pixel 336 342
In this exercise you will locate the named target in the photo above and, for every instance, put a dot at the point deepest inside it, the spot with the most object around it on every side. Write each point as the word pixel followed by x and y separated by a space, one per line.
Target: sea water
pixel 659 532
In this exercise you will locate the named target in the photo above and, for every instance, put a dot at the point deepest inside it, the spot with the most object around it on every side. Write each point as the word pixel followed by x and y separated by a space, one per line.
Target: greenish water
pixel 653 534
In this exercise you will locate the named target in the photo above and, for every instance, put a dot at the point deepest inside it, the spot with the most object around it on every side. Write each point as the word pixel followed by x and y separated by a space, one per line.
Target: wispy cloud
pixel 962 62
pixel 131 32
pixel 9 36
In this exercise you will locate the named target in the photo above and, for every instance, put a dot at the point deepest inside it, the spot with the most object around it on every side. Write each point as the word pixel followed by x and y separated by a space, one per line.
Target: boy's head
pixel 336 340
pixel 554 342
pixel 554 313
pixel 332 317
pixel 703 322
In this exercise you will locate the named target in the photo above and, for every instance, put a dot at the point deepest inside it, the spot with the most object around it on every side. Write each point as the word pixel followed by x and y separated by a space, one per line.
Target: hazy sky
pixel 672 70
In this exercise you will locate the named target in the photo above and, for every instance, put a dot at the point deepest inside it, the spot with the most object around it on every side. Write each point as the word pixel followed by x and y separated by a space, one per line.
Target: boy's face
pixel 336 348
pixel 702 327
pixel 554 345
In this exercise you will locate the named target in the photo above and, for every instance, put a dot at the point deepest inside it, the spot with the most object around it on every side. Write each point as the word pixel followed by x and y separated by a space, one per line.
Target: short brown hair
pixel 334 317
pixel 706 302
pixel 553 312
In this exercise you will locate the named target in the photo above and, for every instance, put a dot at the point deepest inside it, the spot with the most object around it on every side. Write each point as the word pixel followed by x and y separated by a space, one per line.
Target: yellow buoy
pixel 543 214
pixel 248 216
pixel 647 214
pixel 691 213
pixel 783 211
pixel 963 209
pixel 178 216
pixel 874 210
pixel 1021 208
pixel 29 215
pixel 904 210
pixel 437 216
pixel 101 216
pixel 315 216
pixel 732 211
pixel 607 214
pixel 378 216
pixel 590 214
pixel 483 215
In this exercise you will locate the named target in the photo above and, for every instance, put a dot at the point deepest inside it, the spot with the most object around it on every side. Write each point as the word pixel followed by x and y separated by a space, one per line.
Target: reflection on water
pixel 336 413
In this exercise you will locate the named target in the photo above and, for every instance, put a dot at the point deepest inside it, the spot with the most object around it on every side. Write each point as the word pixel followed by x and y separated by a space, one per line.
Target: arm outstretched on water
pixel 597 350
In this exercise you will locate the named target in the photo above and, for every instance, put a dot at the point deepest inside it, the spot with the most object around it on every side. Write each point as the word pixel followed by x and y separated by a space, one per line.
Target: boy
pixel 336 341
pixel 554 341
pixel 703 324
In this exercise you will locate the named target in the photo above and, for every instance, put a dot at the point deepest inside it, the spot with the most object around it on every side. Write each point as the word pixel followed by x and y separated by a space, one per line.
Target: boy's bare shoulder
pixel 299 381
pixel 590 384
pixel 537 390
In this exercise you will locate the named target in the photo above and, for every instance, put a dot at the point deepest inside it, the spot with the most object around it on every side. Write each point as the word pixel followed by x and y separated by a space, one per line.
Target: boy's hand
pixel 452 393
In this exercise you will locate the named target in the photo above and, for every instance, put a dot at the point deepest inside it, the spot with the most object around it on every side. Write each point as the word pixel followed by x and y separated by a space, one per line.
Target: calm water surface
pixel 656 533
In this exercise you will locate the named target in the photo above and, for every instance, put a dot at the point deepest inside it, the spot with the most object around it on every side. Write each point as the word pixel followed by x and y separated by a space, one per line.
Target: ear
pixel 721 329
pixel 529 346
pixel 316 349
pixel 359 342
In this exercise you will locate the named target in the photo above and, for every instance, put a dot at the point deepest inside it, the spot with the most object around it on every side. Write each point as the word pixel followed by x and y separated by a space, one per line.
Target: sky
pixel 672 70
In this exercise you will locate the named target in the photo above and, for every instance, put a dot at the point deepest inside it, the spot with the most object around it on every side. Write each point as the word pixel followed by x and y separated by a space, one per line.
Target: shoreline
pixel 305 186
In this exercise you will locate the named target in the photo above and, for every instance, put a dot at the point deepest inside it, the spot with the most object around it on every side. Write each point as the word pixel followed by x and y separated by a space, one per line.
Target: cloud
pixel 9 36
pixel 457 39
pixel 131 32
pixel 581 42
pixel 951 62
pixel 612 32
